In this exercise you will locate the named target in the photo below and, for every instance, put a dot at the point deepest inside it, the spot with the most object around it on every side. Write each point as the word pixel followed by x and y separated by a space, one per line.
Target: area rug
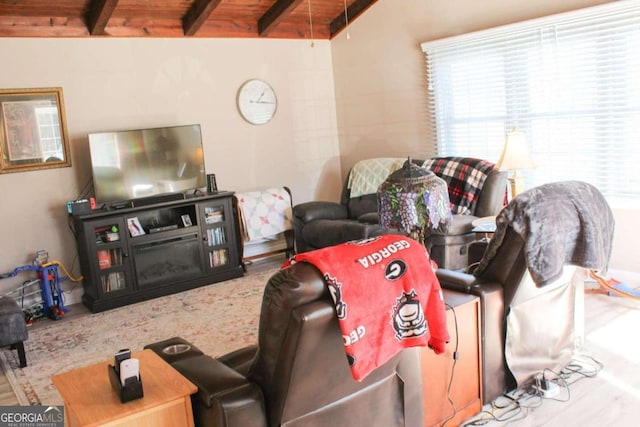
pixel 217 319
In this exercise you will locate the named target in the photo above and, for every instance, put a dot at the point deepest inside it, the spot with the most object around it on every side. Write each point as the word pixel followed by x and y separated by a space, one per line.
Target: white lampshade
pixel 515 154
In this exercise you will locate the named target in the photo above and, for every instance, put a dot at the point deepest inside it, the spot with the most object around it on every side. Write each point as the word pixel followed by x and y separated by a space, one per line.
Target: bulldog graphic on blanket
pixel 387 298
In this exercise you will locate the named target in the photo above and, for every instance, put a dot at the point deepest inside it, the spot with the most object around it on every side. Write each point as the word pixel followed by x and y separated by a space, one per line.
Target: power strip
pixel 550 389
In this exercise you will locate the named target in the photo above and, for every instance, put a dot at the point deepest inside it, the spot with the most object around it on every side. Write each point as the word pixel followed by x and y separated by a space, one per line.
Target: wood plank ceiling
pixel 178 18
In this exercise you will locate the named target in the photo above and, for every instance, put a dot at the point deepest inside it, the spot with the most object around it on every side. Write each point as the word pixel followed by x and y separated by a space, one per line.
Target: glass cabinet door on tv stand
pixel 110 257
pixel 218 234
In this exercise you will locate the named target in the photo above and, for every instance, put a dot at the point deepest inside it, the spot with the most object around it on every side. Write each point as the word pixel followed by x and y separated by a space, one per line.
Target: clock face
pixel 257 102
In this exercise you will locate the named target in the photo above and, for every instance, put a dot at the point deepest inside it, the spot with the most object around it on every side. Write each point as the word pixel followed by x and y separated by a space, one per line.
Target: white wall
pixel 380 70
pixel 339 101
pixel 380 82
pixel 111 84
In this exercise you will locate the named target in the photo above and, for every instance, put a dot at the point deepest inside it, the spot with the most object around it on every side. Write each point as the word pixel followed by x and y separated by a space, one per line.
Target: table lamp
pixel 414 200
pixel 515 156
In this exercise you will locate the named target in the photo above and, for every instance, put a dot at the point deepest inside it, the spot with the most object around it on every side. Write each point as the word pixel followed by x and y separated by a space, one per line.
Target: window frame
pixel 590 160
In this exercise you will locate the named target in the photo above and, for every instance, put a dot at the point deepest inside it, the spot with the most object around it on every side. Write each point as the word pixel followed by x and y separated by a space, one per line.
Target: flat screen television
pixel 143 163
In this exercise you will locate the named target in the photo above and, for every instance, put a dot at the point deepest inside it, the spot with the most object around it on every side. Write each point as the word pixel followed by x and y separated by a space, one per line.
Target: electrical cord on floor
pixel 516 404
pixel 511 406
pixel 456 356
pixel 578 366
pixel 500 412
pixel 549 385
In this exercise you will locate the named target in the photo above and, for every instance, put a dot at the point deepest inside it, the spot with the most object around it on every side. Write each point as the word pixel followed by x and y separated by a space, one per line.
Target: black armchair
pixel 319 224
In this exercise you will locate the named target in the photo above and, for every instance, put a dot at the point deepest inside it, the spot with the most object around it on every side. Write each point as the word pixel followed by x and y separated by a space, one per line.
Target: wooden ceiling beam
pixel 197 15
pixel 184 18
pixel 275 14
pixel 100 12
pixel 353 11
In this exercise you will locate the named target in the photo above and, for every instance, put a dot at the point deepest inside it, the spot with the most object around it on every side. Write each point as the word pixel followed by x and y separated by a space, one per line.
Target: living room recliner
pixel 298 374
pixel 319 224
pixel 527 280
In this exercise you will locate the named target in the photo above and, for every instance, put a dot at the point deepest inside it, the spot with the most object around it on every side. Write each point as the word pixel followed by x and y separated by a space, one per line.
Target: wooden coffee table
pixel 89 399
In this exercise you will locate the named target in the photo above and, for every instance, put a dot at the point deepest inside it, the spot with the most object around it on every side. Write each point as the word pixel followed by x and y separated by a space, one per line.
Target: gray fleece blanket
pixel 561 223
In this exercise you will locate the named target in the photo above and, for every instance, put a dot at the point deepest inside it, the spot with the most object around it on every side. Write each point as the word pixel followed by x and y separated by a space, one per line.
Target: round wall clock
pixel 257 101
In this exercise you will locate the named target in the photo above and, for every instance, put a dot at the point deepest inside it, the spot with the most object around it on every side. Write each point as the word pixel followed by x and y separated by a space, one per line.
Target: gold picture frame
pixel 33 130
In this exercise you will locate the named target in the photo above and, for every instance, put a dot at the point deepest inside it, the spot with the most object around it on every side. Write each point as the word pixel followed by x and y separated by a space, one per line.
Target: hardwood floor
pixel 7 396
pixel 610 398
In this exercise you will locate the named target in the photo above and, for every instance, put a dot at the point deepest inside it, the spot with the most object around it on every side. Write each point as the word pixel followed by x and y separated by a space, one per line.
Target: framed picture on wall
pixel 33 130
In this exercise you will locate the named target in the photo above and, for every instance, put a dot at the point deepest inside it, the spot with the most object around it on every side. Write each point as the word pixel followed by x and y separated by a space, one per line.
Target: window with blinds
pixel 571 82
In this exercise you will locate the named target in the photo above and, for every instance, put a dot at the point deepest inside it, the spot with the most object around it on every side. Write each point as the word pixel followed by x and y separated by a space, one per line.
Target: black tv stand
pixel 183 244
pixel 152 200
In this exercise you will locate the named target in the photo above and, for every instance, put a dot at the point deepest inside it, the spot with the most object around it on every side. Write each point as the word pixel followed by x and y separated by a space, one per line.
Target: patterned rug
pixel 216 318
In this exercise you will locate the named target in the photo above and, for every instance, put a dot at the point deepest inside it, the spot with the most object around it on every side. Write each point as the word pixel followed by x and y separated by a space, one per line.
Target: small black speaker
pixel 212 185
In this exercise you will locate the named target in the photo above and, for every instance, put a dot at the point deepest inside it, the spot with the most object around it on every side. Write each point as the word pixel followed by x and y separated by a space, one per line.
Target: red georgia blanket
pixel 387 298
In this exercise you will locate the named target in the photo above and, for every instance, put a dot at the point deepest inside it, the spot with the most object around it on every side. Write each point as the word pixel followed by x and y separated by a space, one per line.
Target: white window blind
pixel 571 82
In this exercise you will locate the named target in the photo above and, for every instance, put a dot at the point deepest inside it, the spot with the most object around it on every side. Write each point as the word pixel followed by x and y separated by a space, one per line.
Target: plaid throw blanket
pixel 465 177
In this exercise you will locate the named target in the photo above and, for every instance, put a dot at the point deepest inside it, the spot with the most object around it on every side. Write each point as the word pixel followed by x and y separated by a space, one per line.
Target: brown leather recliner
pixel 298 373
pixel 527 284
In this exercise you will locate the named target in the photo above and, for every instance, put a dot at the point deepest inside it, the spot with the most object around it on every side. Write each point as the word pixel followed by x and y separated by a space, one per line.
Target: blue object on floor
pixel 624 288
